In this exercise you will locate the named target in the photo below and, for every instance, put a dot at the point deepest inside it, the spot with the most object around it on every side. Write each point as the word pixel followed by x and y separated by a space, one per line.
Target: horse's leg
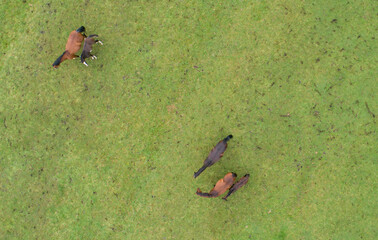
pixel 98 41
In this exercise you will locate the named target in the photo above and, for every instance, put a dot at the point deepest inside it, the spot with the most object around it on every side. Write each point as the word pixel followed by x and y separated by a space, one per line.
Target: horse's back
pixel 74 42
pixel 88 42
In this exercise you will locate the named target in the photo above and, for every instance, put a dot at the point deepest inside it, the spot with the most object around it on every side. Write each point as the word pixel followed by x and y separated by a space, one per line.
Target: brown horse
pixel 73 46
pixel 221 187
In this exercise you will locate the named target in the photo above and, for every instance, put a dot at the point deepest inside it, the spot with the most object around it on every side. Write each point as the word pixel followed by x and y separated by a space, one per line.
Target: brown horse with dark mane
pixel 73 46
pixel 221 187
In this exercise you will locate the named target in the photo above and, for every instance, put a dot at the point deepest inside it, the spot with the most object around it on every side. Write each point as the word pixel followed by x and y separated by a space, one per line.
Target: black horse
pixel 88 43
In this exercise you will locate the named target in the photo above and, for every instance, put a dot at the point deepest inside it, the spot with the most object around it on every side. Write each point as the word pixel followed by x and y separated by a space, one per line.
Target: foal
pixel 243 181
pixel 73 45
pixel 88 42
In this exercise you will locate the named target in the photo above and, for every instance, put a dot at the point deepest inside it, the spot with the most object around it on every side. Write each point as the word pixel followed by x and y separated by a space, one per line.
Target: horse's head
pixel 81 29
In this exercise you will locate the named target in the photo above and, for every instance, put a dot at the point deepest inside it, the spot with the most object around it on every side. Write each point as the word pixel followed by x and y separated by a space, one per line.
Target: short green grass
pixel 109 151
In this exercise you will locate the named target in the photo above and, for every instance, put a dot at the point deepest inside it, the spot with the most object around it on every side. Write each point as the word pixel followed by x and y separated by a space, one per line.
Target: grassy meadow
pixel 109 151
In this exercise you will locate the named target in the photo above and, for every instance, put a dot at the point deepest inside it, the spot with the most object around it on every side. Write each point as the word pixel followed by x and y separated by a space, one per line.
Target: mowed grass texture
pixel 109 151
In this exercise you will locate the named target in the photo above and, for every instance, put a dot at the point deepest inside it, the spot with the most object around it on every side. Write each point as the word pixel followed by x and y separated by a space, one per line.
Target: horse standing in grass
pixel 220 187
pixel 214 155
pixel 88 42
pixel 73 46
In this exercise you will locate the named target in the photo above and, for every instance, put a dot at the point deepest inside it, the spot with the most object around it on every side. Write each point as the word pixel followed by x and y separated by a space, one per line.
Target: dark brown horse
pixel 87 49
pixel 73 46
pixel 243 181
pixel 221 187
pixel 214 156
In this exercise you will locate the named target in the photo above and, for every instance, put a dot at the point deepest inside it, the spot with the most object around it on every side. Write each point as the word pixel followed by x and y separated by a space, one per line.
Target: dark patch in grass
pixel 316 89
pixel 299 166
pixel 262 94
pixel 320 131
pixel 282 234
pixel 369 111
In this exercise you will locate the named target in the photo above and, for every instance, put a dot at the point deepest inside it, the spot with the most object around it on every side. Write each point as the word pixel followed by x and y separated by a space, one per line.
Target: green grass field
pixel 109 151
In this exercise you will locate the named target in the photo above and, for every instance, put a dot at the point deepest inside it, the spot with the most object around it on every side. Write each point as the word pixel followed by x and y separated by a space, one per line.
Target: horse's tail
pixel 228 194
pixel 93 35
pixel 225 198
pixel 58 60
pixel 208 195
pixel 196 174
pixel 227 138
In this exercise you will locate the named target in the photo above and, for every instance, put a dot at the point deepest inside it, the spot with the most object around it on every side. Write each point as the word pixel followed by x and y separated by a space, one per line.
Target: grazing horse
pixel 243 181
pixel 88 42
pixel 214 156
pixel 73 46
pixel 221 187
